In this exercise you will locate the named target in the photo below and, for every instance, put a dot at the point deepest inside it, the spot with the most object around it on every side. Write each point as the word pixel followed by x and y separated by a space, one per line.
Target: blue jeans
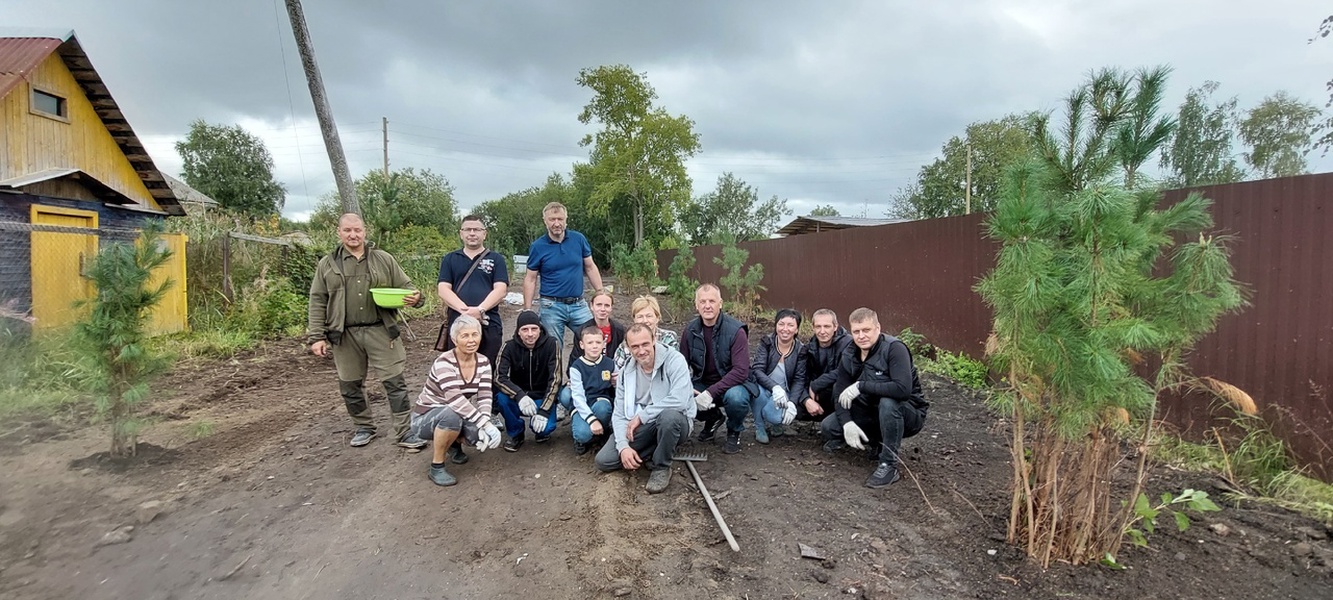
pixel 761 405
pixel 736 404
pixel 580 428
pixel 556 316
pixel 514 417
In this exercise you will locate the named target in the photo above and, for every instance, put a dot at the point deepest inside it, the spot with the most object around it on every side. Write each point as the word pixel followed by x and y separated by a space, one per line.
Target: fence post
pixel 226 268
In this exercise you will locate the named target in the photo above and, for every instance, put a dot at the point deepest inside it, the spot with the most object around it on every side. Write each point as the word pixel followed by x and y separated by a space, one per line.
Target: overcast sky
pixel 836 102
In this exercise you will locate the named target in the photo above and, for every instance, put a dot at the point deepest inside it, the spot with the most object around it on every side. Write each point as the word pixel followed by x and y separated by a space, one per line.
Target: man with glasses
pixel 473 281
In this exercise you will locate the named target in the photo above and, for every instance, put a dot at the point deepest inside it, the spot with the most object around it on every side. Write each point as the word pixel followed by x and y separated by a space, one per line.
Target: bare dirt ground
pixel 274 504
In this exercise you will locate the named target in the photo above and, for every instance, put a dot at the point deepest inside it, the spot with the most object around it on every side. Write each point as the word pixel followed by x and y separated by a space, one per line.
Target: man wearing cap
pixel 529 381
pixel 557 262
pixel 344 321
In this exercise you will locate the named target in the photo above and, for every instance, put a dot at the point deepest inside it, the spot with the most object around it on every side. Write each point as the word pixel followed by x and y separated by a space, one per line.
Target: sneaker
pixel 441 477
pixel 455 455
pixel 362 437
pixel 580 448
pixel 884 476
pixel 833 446
pixel 709 430
pixel 561 413
pixel 512 444
pixel 411 442
pixel 776 430
pixel 761 435
pixel 733 444
pixel 543 438
pixel 658 481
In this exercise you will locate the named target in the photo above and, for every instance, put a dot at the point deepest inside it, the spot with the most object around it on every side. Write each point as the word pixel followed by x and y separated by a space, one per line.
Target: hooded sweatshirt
pixel 531 371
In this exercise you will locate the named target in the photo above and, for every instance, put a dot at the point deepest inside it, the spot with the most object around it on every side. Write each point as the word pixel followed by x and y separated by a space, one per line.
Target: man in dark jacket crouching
pixel 879 397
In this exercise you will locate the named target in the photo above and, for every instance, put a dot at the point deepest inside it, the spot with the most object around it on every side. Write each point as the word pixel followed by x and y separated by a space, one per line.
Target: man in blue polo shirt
pixel 557 261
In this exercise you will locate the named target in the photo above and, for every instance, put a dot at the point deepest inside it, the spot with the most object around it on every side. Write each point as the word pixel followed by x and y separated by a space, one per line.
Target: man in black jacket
pixel 878 392
pixel 529 381
pixel 822 353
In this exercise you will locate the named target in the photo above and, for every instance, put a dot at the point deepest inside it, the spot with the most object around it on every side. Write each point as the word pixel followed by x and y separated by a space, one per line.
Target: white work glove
pixel 704 400
pixel 779 396
pixel 849 394
pixel 852 434
pixel 488 437
pixel 527 406
pixel 784 404
pixel 539 424
pixel 561 413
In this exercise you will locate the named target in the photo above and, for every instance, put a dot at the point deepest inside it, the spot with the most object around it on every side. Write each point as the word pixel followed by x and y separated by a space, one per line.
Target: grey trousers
pixel 655 442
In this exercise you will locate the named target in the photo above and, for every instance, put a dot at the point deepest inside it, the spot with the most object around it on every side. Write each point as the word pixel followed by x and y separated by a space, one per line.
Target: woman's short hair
pixel 461 323
pixel 643 302
pixel 788 312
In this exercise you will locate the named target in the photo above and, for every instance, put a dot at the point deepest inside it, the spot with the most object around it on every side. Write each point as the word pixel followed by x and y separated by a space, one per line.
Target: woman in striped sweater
pixel 457 401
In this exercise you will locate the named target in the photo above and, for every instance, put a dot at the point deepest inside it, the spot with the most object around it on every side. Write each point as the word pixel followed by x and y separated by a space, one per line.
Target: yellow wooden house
pixel 73 176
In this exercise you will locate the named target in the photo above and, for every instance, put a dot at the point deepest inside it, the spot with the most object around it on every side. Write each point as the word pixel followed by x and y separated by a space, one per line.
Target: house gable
pixel 88 134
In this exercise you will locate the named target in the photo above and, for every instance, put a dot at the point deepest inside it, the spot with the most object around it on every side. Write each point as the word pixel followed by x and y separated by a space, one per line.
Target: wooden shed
pixel 73 176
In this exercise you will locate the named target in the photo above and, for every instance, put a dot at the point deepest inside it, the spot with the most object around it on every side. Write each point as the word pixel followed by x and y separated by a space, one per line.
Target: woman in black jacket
pixel 778 373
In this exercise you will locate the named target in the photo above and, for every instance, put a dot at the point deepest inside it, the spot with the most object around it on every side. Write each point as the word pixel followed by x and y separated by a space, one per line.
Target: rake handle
pixel 717 515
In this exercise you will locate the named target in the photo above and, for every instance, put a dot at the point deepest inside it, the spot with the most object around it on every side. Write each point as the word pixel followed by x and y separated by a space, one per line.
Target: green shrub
pixel 680 284
pixel 635 269
pixel 741 284
pixel 916 343
pixel 959 368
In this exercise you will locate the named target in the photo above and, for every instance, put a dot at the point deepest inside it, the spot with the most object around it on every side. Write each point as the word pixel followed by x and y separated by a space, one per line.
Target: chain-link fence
pixel 42 282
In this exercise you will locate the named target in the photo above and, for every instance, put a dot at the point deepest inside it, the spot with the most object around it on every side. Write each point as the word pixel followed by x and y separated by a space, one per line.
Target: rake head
pixel 691 456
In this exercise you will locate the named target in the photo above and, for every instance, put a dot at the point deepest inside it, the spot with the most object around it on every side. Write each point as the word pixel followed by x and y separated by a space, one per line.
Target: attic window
pixel 49 105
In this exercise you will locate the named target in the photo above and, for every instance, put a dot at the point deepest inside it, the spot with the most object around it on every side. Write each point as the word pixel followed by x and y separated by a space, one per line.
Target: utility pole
pixel 386 148
pixel 968 193
pixel 332 143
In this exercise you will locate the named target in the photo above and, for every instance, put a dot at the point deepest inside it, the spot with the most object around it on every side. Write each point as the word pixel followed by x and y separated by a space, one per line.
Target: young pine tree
pixel 113 334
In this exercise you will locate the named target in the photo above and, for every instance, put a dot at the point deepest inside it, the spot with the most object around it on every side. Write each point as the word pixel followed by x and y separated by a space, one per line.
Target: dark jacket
pixel 531 371
pixel 821 364
pixel 887 372
pixel 617 338
pixel 727 332
pixel 766 359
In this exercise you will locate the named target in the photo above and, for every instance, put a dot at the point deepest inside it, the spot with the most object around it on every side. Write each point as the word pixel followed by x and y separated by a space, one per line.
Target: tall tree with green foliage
pixel 1144 129
pixel 732 209
pixel 1278 132
pixel 1089 279
pixel 232 166
pixel 640 152
pixel 1200 151
pixel 940 189
pixel 408 204
pixel 114 334
pixel 824 210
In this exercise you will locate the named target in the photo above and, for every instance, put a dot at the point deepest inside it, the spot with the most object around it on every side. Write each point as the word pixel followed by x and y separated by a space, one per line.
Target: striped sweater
pixel 445 387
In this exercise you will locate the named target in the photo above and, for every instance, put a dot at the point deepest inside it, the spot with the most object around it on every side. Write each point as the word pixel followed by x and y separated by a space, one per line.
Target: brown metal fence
pixel 920 275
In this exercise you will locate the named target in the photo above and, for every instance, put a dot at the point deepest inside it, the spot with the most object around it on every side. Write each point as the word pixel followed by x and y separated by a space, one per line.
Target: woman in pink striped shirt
pixel 456 401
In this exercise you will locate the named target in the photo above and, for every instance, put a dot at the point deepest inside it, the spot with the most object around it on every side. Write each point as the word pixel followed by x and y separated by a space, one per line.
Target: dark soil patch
pixel 147 457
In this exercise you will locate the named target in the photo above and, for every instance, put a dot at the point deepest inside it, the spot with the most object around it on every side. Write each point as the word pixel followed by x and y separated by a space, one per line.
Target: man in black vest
pixel 717 348
pixel 878 394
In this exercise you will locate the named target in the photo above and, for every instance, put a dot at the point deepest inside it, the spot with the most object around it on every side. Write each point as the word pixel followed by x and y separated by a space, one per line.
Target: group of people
pixel 633 393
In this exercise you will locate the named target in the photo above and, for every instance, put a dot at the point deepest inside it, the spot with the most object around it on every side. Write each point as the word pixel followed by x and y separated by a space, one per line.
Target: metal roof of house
pixel 809 224
pixel 22 50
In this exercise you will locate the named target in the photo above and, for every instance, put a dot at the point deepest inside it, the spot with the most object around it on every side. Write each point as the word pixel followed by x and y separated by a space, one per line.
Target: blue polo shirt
pixel 560 265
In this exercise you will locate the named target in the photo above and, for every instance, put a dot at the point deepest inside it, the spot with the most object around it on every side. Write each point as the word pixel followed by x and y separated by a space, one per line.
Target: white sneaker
pixel 560 412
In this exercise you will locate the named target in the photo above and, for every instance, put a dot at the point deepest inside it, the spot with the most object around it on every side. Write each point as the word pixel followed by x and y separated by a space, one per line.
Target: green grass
pixel 207 343
pixel 39 376
pixel 1254 459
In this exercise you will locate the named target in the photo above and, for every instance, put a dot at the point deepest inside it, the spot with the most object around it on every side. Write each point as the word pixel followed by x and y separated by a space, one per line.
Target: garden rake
pixel 689 459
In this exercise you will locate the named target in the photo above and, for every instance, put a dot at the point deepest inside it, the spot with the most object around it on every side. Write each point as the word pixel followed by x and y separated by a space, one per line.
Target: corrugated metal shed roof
pixel 809 224
pixel 20 55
